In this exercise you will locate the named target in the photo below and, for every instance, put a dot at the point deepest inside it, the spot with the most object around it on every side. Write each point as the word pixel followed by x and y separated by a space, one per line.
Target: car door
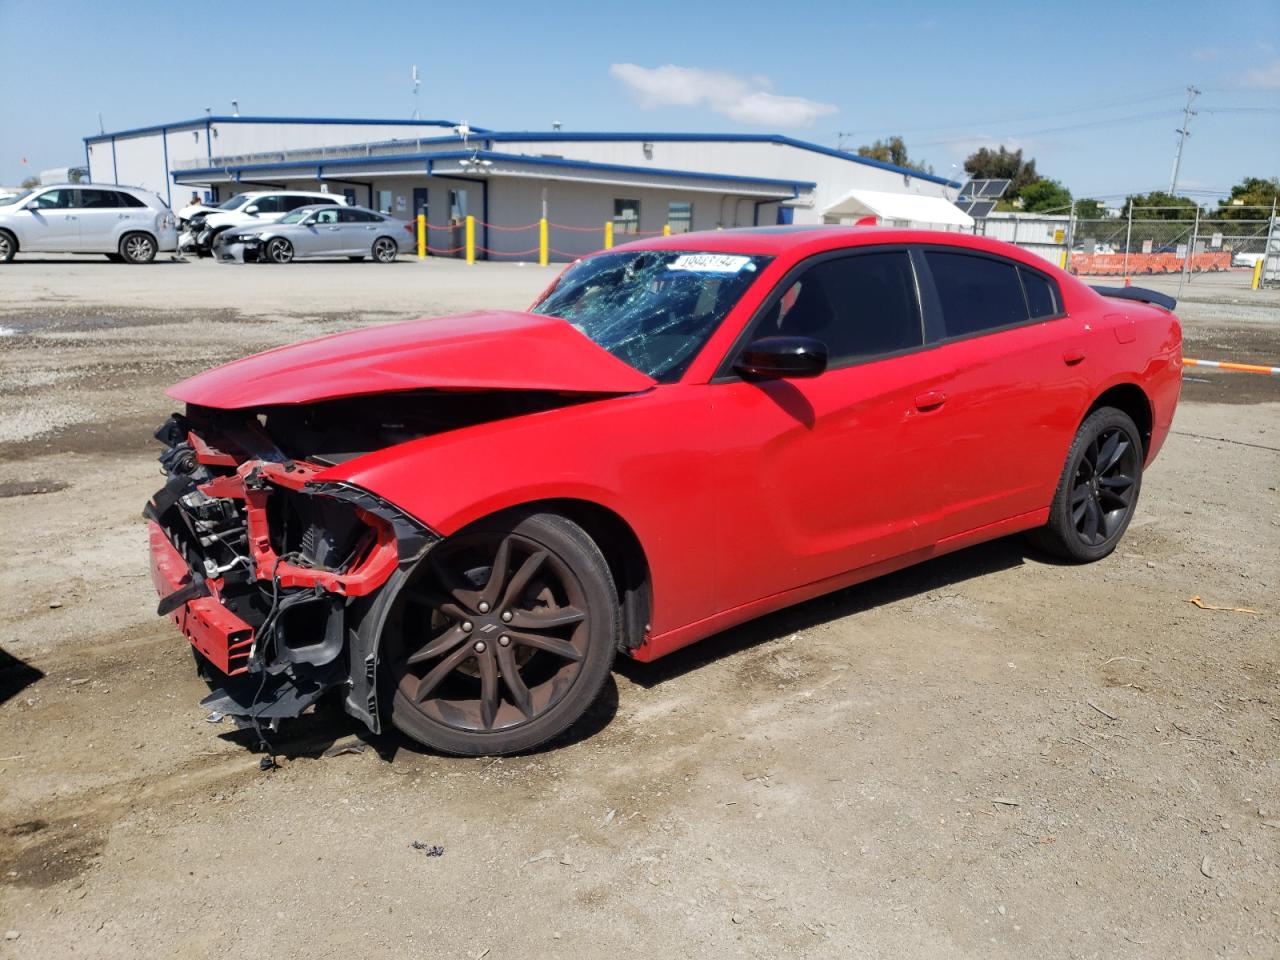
pixel 1009 374
pixel 825 475
pixel 327 233
pixel 51 222
pixel 103 218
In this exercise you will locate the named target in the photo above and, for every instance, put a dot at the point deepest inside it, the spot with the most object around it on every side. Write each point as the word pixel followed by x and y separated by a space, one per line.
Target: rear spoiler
pixel 1141 294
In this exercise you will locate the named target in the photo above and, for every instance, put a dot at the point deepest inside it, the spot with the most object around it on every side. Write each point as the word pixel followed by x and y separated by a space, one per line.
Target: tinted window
pixel 977 293
pixel 859 306
pixel 1042 294
pixel 268 204
pixel 326 216
pixel 99 198
pixel 357 216
pixel 129 200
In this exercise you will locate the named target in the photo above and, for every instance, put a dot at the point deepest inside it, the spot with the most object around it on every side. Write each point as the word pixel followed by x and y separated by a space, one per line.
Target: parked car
pixel 1244 258
pixel 124 223
pixel 318 231
pixel 457 523
pixel 258 207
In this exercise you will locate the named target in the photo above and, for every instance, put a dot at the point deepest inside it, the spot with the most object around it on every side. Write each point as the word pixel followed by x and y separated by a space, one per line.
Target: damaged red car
pixel 456 524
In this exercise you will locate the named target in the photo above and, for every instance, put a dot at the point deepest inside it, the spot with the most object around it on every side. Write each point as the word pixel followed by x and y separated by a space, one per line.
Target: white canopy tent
pixel 898 209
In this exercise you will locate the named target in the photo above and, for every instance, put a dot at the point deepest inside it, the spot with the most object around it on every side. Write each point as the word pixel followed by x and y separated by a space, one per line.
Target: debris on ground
pixel 1206 866
pixel 1006 802
pixel 350 745
pixel 1196 601
pixel 214 717
pixel 268 763
pixel 427 848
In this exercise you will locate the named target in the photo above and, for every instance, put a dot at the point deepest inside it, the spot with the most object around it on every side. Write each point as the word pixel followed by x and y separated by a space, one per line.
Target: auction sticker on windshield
pixel 709 263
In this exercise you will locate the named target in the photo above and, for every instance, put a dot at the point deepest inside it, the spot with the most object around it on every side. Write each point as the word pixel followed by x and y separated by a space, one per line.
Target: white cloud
pixel 744 99
pixel 1264 78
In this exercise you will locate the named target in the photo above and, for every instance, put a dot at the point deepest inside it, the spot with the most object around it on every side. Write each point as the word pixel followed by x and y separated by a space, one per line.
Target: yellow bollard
pixel 608 235
pixel 1257 275
pixel 666 229
pixel 471 239
pixel 542 242
pixel 1062 261
pixel 422 237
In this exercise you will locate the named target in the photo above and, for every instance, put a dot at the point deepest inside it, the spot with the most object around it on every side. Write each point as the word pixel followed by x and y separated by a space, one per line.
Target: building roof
pixel 899 206
pixel 202 121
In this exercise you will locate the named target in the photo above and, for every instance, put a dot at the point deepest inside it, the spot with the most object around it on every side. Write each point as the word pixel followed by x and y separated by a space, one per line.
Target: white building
pixel 638 182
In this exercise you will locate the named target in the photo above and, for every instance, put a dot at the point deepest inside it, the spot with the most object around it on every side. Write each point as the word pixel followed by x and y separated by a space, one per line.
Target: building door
pixel 420 202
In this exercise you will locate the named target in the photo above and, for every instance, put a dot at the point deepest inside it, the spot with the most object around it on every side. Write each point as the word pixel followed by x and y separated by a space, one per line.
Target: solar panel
pixel 977 209
pixel 984 188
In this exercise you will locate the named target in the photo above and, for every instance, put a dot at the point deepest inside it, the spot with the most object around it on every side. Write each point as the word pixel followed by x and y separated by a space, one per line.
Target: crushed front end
pixel 268 570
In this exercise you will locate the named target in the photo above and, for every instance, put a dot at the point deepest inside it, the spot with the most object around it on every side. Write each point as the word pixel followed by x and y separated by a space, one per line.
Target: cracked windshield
pixel 652 309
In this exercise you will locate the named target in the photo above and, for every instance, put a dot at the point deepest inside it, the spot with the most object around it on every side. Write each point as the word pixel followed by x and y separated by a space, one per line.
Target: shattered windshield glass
pixel 652 309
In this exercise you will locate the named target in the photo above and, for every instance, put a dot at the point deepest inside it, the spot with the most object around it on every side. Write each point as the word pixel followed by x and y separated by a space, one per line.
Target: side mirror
pixel 32 206
pixel 782 358
pixel 252 211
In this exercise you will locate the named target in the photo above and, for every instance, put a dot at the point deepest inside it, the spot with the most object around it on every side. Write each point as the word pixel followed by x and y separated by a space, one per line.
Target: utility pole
pixel 1183 132
pixel 840 137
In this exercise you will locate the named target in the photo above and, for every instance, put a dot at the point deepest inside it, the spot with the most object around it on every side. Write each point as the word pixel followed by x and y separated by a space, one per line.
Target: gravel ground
pixel 990 755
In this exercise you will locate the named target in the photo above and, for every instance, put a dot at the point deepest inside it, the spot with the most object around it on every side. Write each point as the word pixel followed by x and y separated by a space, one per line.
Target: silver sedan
pixel 318 231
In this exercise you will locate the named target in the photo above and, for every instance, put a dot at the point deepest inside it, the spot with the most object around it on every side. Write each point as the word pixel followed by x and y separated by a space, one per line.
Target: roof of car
pixel 809 239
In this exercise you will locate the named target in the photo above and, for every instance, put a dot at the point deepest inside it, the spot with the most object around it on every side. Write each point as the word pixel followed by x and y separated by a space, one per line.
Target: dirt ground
pixel 990 755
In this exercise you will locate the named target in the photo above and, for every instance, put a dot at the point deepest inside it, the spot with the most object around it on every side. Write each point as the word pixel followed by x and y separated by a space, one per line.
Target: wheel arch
pixel 1132 400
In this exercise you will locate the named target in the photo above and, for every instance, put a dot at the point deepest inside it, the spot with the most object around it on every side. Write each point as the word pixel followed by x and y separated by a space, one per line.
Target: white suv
pixel 259 207
pixel 125 223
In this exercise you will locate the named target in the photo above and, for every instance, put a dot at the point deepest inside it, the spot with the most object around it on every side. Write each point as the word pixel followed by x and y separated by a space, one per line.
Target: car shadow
pixel 15 675
pixel 88 259
pixel 953 568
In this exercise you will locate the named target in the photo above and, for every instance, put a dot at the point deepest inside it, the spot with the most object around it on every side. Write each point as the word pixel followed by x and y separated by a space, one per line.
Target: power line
pixel 1072 126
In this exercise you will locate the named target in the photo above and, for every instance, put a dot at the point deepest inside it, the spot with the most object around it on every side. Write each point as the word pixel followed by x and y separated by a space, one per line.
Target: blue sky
pixel 1093 91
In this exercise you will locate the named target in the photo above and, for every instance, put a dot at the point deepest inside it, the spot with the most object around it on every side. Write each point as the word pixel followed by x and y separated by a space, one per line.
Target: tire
pixel 8 246
pixel 1098 491
pixel 138 248
pixel 385 250
pixel 278 250
pixel 455 635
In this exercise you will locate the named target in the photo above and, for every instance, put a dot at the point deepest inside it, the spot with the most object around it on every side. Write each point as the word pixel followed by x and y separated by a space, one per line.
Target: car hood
pixel 484 350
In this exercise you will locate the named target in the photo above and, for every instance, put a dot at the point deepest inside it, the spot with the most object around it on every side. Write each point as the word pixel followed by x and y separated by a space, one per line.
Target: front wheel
pixel 504 637
pixel 8 246
pixel 138 248
pixel 384 250
pixel 1098 490
pixel 279 250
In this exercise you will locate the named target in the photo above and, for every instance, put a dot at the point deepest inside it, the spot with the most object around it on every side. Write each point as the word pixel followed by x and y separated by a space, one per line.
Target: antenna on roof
pixel 101 128
pixel 235 108
pixel 555 124
pixel 208 111
pixel 417 82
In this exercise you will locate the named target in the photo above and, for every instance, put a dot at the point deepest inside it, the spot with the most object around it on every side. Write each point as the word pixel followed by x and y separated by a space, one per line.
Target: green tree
pixel 1251 192
pixel 1001 164
pixel 77 175
pixel 1045 196
pixel 1086 208
pixel 1158 205
pixel 892 150
pixel 30 182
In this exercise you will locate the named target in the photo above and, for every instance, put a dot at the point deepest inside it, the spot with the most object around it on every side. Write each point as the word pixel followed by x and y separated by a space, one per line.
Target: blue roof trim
pixel 202 121
pixel 560 135
pixel 394 159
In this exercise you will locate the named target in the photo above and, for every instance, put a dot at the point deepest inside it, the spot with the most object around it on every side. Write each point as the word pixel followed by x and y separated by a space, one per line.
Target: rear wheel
pixel 279 250
pixel 138 248
pixel 504 638
pixel 1098 490
pixel 8 246
pixel 384 250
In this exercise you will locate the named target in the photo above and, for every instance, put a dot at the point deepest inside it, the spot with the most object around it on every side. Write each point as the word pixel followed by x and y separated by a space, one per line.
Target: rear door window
pixel 99 199
pixel 859 306
pixel 1042 294
pixel 977 293
pixel 273 203
pixel 356 216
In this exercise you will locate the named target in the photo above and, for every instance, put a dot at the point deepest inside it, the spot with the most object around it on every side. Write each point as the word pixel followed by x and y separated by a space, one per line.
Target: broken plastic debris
pixel 1209 606
pixel 428 849
pixel 352 745
pixel 214 717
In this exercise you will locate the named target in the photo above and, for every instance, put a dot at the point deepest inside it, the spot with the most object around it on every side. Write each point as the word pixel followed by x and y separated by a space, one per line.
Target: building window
pixel 349 195
pixel 680 216
pixel 457 205
pixel 626 216
pixel 384 201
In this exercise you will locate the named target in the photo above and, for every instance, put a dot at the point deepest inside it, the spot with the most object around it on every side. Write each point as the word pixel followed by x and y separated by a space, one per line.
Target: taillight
pixel 411 228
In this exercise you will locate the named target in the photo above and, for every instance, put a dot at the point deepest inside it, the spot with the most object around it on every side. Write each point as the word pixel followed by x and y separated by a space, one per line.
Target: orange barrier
pixel 1114 264
pixel 1229 365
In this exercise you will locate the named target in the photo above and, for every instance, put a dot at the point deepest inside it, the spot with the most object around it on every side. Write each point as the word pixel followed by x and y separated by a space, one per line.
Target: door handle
pixel 1072 357
pixel 930 401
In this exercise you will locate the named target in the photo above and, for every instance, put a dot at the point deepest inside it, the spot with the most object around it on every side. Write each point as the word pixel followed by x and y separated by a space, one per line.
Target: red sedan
pixel 457 523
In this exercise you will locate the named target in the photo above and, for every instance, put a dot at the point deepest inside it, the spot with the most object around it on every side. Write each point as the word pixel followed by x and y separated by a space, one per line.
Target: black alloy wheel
pixel 279 250
pixel 384 250
pixel 504 638
pixel 1098 490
